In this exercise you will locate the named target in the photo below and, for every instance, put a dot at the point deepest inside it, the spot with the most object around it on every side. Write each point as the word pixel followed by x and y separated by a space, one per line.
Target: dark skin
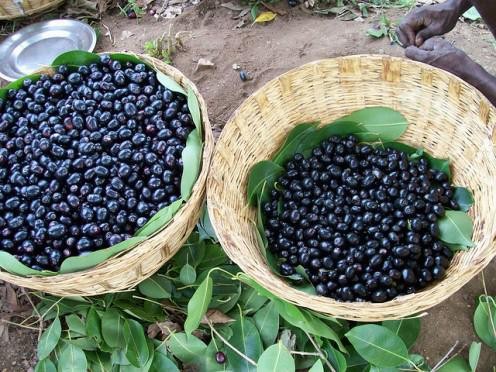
pixel 420 30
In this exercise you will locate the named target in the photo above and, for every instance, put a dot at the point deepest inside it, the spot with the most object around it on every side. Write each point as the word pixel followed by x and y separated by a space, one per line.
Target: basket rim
pixel 186 209
pixel 282 285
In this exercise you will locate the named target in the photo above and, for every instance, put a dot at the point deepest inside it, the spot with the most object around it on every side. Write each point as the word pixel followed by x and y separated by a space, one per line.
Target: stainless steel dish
pixel 37 45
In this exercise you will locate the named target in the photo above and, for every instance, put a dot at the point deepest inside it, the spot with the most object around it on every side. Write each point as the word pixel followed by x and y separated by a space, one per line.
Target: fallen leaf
pixel 216 317
pixel 204 64
pixel 163 329
pixel 288 339
pixel 126 34
pixel 240 24
pixel 265 17
pixel 229 5
pixel 243 13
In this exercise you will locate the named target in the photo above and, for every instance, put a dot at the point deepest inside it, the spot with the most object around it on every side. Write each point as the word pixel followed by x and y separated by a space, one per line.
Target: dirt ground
pixel 267 51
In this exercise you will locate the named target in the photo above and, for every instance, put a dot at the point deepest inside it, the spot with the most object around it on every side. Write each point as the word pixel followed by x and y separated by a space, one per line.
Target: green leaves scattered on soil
pixel 191 157
pixel 378 345
pixel 485 321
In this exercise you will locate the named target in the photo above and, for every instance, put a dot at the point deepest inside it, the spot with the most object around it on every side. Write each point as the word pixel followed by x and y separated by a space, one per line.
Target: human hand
pixel 440 53
pixel 425 22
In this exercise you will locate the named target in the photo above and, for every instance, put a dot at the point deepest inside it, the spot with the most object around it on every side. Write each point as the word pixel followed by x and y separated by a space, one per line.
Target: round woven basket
pixel 446 116
pixel 12 9
pixel 128 268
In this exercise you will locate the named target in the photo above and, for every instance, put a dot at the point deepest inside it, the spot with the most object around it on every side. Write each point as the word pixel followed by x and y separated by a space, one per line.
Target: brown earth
pixel 265 52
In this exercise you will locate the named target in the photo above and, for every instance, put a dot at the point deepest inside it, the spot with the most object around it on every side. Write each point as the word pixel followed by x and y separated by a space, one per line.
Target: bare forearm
pixel 482 80
pixel 487 10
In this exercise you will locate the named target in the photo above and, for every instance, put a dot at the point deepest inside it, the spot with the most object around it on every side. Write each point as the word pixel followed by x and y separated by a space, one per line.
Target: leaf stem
pixel 446 358
pixel 18 324
pixel 232 347
pixel 304 353
pixel 321 354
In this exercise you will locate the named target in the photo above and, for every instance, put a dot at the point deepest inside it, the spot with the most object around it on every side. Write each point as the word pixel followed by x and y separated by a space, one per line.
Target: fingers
pixel 406 34
pixel 417 54
pixel 423 35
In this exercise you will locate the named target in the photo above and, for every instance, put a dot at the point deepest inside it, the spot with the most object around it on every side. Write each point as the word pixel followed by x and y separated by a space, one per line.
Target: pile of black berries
pixel 361 221
pixel 87 156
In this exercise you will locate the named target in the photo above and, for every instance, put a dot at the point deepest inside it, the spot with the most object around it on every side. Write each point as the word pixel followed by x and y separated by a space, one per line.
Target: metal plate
pixel 37 45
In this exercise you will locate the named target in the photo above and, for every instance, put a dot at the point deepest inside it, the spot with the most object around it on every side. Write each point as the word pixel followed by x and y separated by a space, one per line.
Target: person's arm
pixel 433 20
pixel 441 53
pixel 487 10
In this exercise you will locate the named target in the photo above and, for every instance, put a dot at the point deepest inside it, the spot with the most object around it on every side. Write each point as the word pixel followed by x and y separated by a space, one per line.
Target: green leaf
pixel 99 361
pixel 307 322
pixel 407 329
pixel 472 14
pixel 125 57
pixel 205 227
pixel 137 349
pixel 442 165
pixel 187 275
pixel 214 256
pixel 170 83
pixel 485 321
pixel 156 287
pixel 162 363
pixel 93 324
pixel 12 265
pixel 186 348
pixel 294 140
pixel 79 263
pixel 261 179
pixel 337 360
pixel 76 58
pixel 148 363
pixel 251 301
pixel 158 221
pixel 49 339
pixel 191 157
pixel 276 358
pixel 75 324
pixel 245 339
pixel 45 365
pixel 456 227
pixel 474 355
pixel 376 33
pixel 412 152
pixel 17 84
pixel 112 328
pixel 72 359
pixel 194 109
pixel 337 128
pixel 464 198
pixel 317 367
pixel 378 345
pixel 457 364
pixel 355 362
pixel 382 122
pixel 267 321
pixel 84 343
pixel 198 305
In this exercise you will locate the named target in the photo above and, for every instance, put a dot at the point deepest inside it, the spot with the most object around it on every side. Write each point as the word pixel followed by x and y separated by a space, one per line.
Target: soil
pixel 265 51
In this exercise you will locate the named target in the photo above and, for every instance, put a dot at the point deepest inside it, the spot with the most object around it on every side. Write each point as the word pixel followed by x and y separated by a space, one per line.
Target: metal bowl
pixel 37 45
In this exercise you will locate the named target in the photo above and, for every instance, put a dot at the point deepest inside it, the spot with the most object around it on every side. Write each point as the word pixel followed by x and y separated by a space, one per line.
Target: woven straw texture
pixel 446 116
pixel 126 269
pixel 11 9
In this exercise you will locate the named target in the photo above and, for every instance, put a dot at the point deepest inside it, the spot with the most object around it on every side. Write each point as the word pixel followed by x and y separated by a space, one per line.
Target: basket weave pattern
pixel 9 9
pixel 126 269
pixel 446 116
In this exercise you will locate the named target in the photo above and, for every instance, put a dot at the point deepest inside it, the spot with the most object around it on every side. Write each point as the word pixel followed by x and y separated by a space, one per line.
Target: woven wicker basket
pixel 446 116
pixel 125 270
pixel 12 9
